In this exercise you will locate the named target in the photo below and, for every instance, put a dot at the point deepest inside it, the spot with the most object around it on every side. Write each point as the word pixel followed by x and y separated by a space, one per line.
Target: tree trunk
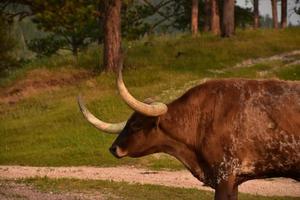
pixel 206 15
pixel 194 17
pixel 75 51
pixel 228 18
pixel 74 46
pixel 112 35
pixel 100 21
pixel 215 17
pixel 283 13
pixel 256 13
pixel 274 14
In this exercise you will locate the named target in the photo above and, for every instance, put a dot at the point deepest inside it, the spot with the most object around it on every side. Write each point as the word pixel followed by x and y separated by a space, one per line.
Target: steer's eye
pixel 135 127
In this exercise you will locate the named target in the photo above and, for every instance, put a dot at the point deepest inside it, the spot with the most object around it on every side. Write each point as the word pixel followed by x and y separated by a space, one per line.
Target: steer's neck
pixel 181 126
pixel 185 155
pixel 181 123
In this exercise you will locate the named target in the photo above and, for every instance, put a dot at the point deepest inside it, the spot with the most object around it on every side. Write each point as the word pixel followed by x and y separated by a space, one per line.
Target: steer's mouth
pixel 117 151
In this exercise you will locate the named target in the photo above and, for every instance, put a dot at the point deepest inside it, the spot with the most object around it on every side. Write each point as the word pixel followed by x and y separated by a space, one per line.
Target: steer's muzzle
pixel 116 151
pixel 113 151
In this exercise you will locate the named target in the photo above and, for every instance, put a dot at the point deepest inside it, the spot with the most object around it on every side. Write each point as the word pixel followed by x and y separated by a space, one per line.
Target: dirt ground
pixel 15 191
pixel 265 187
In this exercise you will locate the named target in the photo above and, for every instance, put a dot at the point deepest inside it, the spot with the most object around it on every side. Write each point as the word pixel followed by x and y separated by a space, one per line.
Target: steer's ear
pixel 157 120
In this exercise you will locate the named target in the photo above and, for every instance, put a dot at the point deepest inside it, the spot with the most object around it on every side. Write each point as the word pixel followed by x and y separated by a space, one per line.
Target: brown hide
pixel 243 128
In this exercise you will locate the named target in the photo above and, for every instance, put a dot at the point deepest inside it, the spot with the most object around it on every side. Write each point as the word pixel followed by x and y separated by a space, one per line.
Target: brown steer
pixel 224 131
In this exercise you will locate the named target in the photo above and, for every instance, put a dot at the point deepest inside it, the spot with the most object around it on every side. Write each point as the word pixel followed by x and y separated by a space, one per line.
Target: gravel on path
pixel 265 187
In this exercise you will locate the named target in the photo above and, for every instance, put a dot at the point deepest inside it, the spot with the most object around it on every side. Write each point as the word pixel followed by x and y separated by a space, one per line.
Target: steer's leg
pixel 234 194
pixel 227 190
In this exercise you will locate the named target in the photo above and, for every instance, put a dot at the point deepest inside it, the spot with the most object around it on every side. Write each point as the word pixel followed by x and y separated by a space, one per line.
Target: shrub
pixel 7 45
pixel 46 46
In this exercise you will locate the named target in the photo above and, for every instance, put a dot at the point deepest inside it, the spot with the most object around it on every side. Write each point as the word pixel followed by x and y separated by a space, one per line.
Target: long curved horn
pixel 153 109
pixel 103 126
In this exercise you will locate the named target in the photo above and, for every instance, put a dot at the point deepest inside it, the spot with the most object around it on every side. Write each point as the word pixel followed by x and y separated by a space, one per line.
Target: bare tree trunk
pixel 112 35
pixel 283 13
pixel 100 21
pixel 228 18
pixel 215 17
pixel 74 47
pixel 194 17
pixel 206 15
pixel 256 14
pixel 274 13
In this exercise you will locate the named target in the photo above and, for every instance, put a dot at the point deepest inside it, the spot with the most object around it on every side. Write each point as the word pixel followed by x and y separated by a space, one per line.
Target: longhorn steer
pixel 225 132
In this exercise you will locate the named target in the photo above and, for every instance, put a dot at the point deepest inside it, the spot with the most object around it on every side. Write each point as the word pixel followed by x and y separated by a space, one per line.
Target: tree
pixel 112 35
pixel 134 20
pixel 7 45
pixel 228 27
pixel 256 13
pixel 266 21
pixel 15 9
pixel 45 46
pixel 74 21
pixel 283 13
pixel 243 17
pixel 215 17
pixel 274 14
pixel 182 10
pixel 178 14
pixel 206 15
pixel 194 17
pixel 71 20
pixel 297 7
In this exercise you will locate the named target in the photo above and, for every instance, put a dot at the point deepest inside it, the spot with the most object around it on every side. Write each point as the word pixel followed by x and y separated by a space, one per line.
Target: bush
pixel 7 45
pixel 46 46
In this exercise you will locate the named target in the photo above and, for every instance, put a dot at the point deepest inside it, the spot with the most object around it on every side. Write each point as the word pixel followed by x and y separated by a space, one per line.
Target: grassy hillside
pixel 40 123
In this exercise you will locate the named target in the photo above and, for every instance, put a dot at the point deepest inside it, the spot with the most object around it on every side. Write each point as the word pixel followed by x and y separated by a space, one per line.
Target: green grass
pixel 117 190
pixel 181 53
pixel 47 129
pixel 289 73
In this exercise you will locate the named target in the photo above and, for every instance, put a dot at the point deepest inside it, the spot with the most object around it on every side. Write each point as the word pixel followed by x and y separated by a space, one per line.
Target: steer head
pixel 141 134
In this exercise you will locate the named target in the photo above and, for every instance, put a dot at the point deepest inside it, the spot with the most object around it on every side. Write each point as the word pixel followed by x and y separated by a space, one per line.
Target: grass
pixel 289 73
pixel 181 53
pixel 47 129
pixel 117 190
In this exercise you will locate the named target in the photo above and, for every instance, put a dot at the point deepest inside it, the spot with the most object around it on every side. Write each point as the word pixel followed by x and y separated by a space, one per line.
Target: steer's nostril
pixel 113 149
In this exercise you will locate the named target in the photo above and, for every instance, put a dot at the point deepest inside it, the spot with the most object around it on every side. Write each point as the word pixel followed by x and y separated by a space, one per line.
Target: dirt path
pixel 269 187
pixel 17 191
pixel 287 56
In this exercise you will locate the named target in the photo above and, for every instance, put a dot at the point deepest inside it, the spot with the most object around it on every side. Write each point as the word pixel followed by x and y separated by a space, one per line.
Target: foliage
pixel 7 45
pixel 266 21
pixel 12 10
pixel 75 21
pixel 297 7
pixel 46 46
pixel 243 17
pixel 134 24
pixel 183 10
